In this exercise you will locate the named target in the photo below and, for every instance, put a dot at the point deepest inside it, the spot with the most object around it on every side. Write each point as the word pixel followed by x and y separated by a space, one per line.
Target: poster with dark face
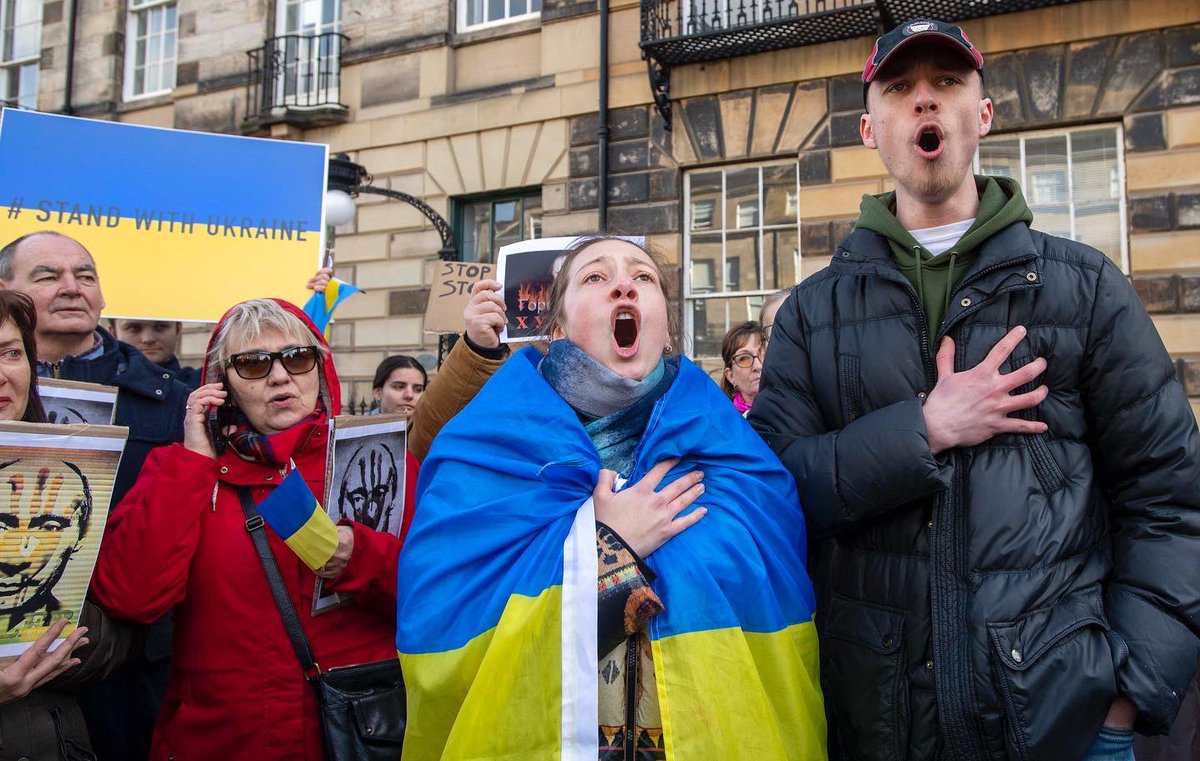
pixel 527 271
pixel 55 485
pixel 69 402
pixel 366 471
pixel 364 480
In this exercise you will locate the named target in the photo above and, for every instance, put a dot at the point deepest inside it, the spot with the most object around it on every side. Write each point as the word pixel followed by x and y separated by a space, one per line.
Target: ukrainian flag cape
pixel 497 604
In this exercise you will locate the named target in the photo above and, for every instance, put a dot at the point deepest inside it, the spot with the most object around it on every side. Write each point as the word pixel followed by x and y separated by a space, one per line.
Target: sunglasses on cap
pixel 252 365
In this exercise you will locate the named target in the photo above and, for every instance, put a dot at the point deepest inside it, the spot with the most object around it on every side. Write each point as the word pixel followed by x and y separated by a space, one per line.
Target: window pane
pixel 535 5
pixel 781 250
pixel 516 7
pixel 712 318
pixel 1094 165
pixel 1099 225
pixel 495 10
pixel 27 12
pixel 780 204
pixel 1046 170
pixel 741 194
pixel 28 86
pixel 706 199
pixel 532 215
pixel 26 41
pixel 706 263
pixel 476 232
pixel 1001 158
pixel 741 262
pixel 475 12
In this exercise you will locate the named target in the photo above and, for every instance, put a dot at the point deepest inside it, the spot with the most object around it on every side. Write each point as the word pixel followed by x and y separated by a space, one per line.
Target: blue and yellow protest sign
pixel 181 224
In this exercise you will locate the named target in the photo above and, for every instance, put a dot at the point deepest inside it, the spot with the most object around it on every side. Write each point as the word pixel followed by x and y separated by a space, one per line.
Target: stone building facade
pixel 492 120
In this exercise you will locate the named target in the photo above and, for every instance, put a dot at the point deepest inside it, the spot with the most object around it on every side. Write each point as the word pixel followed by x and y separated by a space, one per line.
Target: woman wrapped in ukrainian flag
pixel 607 562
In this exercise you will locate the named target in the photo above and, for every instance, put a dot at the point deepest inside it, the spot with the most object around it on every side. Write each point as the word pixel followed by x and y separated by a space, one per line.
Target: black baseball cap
pixel 928 30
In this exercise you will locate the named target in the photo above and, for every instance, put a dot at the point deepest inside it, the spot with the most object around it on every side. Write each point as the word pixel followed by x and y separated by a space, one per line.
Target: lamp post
pixel 348 180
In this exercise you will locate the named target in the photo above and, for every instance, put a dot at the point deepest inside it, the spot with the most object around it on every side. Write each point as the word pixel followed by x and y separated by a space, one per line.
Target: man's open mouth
pixel 930 141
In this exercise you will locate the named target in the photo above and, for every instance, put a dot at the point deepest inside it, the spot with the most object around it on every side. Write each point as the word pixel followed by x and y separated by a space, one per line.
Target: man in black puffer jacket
pixel 1012 568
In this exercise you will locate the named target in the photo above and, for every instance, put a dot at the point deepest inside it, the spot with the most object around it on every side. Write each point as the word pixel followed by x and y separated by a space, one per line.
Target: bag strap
pixel 291 620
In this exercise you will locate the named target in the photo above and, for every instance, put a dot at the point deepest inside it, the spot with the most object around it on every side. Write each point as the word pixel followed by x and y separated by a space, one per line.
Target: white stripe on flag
pixel 580 659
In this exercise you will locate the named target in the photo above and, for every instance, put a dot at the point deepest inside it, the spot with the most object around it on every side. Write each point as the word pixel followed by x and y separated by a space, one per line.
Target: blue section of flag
pixel 99 163
pixel 320 306
pixel 289 507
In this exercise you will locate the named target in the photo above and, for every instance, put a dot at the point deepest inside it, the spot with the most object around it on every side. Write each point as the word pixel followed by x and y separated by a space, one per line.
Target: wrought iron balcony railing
pixel 296 78
pixel 677 32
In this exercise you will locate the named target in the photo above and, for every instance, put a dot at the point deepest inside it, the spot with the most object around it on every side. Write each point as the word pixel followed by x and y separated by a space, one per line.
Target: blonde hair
pixel 247 321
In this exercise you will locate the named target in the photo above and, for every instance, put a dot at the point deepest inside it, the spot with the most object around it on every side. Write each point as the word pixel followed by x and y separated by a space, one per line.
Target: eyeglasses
pixel 766 331
pixel 746 360
pixel 252 365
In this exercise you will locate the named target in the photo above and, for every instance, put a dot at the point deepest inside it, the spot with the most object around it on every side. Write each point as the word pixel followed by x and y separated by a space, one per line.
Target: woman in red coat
pixel 178 541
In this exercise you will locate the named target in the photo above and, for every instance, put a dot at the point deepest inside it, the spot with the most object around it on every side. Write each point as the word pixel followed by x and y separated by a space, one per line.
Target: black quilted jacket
pixel 990 603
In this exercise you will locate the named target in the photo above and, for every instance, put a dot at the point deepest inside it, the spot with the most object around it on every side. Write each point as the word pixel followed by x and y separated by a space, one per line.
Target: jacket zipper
pixel 631 680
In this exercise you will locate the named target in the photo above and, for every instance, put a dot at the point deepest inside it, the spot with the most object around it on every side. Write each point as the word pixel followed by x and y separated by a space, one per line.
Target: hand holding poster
pixel 57 483
pixel 181 224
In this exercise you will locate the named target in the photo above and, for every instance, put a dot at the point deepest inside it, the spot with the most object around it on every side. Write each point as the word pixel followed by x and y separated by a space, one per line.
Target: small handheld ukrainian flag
pixel 295 514
pixel 320 306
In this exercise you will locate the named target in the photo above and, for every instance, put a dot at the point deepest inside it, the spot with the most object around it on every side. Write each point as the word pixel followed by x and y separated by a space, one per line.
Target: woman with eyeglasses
pixel 179 541
pixel 742 352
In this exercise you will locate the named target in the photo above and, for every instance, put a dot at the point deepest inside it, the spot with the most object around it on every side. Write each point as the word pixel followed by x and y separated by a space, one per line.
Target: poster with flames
pixel 527 270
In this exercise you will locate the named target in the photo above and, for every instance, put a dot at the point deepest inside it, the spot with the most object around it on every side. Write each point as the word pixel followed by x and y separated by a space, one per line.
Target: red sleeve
pixel 151 536
pixel 370 574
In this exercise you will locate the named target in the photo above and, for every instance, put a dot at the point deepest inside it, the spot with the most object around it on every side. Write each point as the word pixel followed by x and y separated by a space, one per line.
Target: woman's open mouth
pixel 625 328
pixel 930 141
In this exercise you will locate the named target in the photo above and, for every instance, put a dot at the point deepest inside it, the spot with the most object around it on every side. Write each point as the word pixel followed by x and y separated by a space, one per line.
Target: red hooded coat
pixel 178 541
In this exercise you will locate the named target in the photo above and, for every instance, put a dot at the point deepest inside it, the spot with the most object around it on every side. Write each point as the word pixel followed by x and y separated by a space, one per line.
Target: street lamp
pixel 348 179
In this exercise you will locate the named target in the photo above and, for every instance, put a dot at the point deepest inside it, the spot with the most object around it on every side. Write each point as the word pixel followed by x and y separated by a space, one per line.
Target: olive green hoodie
pixel 935 278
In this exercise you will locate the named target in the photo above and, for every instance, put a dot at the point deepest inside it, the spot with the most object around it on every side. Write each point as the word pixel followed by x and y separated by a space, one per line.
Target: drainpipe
pixel 602 127
pixel 68 106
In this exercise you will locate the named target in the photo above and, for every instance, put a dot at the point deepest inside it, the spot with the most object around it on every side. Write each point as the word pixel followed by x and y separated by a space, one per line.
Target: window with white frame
pixel 308 51
pixel 151 32
pixel 485 224
pixel 20 51
pixel 741 242
pixel 480 14
pixel 1073 179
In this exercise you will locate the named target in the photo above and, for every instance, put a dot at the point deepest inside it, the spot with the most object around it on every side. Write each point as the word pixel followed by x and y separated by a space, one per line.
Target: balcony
pixel 678 32
pixel 295 79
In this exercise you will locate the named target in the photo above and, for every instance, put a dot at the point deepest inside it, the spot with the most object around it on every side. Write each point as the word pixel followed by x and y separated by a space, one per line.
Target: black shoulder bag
pixel 362 708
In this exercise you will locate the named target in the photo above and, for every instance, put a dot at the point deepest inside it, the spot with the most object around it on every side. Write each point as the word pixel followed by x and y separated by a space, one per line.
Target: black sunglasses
pixel 252 365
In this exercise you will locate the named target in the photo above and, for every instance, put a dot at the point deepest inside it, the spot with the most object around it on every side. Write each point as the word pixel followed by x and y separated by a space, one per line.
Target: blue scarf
pixel 614 410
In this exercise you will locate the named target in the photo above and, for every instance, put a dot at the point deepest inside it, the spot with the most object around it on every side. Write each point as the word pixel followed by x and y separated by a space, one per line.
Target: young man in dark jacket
pixel 1014 520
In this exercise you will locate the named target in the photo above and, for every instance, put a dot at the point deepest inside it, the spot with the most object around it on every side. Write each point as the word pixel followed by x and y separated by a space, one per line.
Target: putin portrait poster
pixel 55 485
